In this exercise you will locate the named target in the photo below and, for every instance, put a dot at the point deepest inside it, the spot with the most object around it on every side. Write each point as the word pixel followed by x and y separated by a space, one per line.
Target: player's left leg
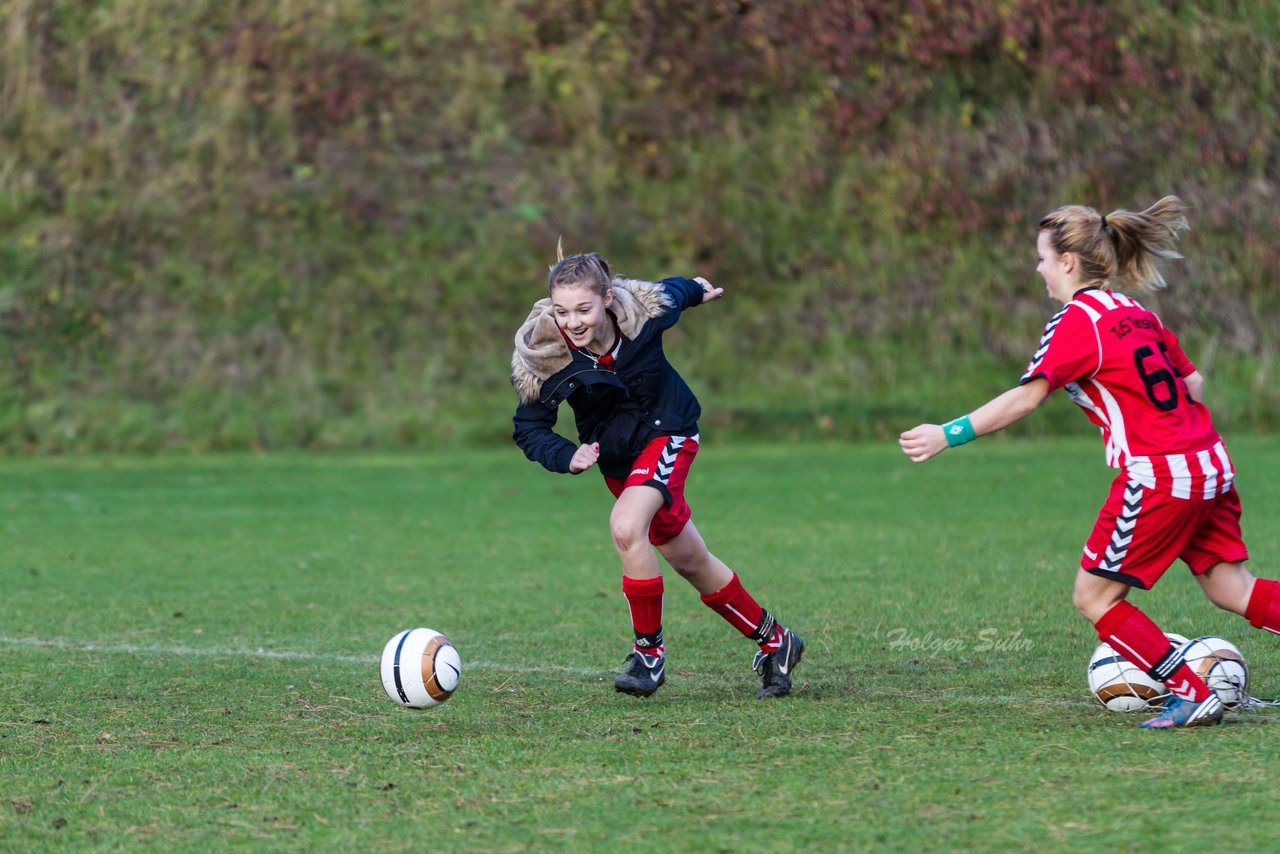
pixel 678 540
pixel 1228 585
pixel 1263 610
pixel 722 591
pixel 1216 555
pixel 1233 588
pixel 688 555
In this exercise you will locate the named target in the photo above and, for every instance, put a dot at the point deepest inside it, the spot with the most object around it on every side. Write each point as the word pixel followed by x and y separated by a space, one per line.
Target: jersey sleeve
pixel 1069 350
pixel 685 293
pixel 535 434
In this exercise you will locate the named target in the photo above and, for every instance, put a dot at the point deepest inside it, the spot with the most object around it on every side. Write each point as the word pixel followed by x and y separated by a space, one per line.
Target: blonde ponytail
pixel 1122 246
pixel 1141 238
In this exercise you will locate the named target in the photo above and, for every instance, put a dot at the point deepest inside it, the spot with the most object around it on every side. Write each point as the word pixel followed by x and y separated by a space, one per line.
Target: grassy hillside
pixel 284 224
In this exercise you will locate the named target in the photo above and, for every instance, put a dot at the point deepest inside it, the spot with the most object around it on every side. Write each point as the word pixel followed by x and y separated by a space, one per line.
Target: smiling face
pixel 1060 271
pixel 582 314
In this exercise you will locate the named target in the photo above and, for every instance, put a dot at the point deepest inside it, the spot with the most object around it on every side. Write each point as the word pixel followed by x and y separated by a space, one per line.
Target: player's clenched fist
pixel 584 458
pixel 923 442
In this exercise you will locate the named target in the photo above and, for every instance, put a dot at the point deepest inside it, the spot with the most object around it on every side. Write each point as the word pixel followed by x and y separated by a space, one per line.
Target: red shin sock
pixel 644 598
pixel 1264 606
pixel 735 604
pixel 1134 635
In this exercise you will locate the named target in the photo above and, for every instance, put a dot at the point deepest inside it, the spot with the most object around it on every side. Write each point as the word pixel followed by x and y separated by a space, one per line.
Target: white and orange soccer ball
pixel 1221 665
pixel 1122 686
pixel 420 668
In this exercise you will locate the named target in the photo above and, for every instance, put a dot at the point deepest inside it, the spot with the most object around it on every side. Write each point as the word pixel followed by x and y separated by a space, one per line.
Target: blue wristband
pixel 959 431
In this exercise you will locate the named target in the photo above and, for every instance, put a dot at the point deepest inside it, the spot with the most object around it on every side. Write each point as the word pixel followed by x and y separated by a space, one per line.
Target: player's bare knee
pixel 1081 600
pixel 628 535
pixel 1082 606
pixel 1090 605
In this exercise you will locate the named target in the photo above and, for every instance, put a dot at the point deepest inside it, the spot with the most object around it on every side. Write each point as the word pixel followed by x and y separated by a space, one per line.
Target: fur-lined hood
pixel 541 351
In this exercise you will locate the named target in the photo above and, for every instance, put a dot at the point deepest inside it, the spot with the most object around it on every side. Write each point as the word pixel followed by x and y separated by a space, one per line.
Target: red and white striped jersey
pixel 1121 365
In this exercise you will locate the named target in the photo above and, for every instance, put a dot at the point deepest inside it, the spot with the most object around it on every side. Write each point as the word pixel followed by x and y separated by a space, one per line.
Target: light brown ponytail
pixel 1121 247
pixel 589 269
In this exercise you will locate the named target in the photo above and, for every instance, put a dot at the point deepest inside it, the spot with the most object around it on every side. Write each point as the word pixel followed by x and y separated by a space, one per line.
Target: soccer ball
pixel 1122 686
pixel 1221 665
pixel 420 668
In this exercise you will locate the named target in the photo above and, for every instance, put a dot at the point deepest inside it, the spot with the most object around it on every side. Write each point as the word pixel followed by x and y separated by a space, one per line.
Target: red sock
pixel 644 597
pixel 735 604
pixel 1264 606
pixel 1138 639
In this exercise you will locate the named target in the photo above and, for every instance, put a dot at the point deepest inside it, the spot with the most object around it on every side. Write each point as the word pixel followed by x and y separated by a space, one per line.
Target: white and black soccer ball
pixel 1120 685
pixel 420 668
pixel 1221 665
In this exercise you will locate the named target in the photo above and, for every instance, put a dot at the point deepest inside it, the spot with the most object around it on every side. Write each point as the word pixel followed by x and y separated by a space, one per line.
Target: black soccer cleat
pixel 776 666
pixel 645 675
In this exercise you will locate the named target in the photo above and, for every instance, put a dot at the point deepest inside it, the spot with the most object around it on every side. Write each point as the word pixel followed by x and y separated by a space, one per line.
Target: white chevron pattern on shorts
pixel 667 461
pixel 1122 536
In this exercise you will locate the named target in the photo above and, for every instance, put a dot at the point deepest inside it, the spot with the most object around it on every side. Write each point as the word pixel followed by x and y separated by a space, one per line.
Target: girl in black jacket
pixel 596 342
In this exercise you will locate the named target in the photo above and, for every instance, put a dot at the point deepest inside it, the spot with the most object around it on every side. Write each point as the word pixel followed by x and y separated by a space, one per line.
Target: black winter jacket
pixel 624 409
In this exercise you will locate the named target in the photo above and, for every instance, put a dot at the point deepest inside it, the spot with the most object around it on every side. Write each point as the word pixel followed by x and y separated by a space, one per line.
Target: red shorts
pixel 663 464
pixel 1140 532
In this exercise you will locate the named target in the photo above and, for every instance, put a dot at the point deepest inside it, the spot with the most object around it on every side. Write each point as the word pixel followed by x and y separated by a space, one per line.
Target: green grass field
pixel 190 651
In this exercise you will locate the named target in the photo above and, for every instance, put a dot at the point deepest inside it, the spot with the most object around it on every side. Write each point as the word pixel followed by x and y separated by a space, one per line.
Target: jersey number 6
pixel 1163 377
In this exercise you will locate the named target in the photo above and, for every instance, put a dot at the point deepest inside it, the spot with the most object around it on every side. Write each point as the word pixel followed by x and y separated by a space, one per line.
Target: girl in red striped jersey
pixel 1175 495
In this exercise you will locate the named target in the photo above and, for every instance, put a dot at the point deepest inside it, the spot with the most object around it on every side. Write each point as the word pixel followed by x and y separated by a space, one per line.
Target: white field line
pixel 286 655
pixel 372 662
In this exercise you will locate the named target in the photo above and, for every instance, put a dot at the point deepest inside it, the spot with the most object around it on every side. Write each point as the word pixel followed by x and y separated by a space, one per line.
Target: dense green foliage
pixel 190 647
pixel 267 224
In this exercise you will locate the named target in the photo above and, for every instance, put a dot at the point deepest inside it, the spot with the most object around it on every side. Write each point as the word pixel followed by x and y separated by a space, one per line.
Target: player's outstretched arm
pixel 926 441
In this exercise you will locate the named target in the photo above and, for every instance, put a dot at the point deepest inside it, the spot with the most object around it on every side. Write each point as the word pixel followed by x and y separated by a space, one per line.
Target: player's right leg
pixel 629 523
pixel 1138 534
pixel 1135 636
pixel 644 669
